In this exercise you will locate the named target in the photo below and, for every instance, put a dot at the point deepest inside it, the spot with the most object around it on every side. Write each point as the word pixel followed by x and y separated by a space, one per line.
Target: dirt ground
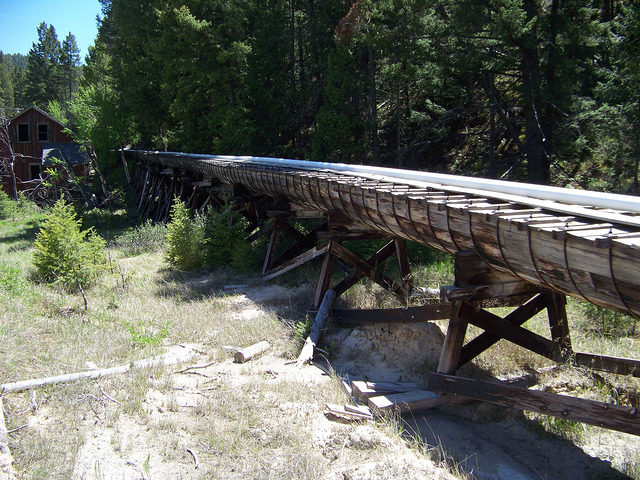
pixel 193 419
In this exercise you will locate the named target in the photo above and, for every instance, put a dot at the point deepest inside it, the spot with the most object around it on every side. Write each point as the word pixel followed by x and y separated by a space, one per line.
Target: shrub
pixel 64 253
pixel 185 239
pixel 148 237
pixel 10 279
pixel 7 206
pixel 225 232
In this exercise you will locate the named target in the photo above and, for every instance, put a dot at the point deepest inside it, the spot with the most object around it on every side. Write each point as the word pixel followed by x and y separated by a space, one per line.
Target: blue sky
pixel 20 18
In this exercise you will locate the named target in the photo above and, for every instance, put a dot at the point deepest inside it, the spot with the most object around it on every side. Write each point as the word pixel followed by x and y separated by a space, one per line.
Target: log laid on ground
pixel 6 460
pixel 362 390
pixel 246 354
pixel 161 360
pixel 306 354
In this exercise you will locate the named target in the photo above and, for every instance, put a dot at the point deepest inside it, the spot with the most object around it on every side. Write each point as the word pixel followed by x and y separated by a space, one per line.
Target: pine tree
pixel 69 64
pixel 6 84
pixel 42 77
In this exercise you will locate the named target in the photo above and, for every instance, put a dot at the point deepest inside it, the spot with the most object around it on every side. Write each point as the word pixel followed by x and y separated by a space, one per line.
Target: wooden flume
pixel 507 253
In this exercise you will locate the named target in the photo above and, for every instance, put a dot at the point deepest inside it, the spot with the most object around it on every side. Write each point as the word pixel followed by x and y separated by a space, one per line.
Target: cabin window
pixel 43 132
pixel 34 171
pixel 23 132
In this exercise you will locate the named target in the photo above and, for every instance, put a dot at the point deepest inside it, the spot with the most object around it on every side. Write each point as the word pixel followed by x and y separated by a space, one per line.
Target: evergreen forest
pixel 545 91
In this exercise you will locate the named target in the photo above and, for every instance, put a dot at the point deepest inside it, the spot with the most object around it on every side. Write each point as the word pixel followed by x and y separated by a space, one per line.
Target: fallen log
pixel 306 354
pixel 160 360
pixel 246 354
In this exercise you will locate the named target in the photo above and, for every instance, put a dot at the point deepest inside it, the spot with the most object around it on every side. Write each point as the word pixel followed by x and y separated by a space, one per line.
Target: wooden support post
pixel 306 354
pixel 452 346
pixel 144 189
pixel 271 248
pixel 557 312
pixel 325 276
pixel 403 264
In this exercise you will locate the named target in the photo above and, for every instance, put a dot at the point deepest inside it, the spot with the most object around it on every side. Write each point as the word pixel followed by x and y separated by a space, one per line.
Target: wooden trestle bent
pixel 506 254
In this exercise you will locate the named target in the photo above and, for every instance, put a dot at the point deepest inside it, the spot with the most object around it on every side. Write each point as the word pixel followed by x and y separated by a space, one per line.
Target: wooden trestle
pixel 500 260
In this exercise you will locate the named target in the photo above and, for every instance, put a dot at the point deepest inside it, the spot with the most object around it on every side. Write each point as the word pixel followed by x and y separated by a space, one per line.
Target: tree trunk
pixel 373 104
pixel 537 160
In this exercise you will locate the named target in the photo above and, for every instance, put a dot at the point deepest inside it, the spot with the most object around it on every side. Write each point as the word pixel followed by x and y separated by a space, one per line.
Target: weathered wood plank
pixel 504 329
pixel 614 417
pixel 406 402
pixel 486 340
pixel 620 366
pixel 362 390
pixel 306 354
pixel 453 341
pixel 296 262
pixel 376 259
pixel 366 269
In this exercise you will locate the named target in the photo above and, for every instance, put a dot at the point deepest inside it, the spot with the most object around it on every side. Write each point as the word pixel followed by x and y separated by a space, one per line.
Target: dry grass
pixel 260 420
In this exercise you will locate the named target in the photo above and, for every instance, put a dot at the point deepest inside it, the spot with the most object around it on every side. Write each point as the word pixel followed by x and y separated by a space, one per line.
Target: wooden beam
pixel 271 248
pixel 425 313
pixel 301 245
pixel 620 366
pixel 403 264
pixel 557 313
pixel 366 269
pixel 380 256
pixel 306 354
pixel 489 291
pixel 519 316
pixel 325 277
pixel 452 346
pixel 504 329
pixel 614 417
pixel 296 262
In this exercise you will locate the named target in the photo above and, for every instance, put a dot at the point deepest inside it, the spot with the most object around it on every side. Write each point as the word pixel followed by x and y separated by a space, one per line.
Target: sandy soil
pixel 488 443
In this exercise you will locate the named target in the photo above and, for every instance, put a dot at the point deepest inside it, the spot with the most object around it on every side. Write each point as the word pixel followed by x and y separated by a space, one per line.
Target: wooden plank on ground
pixel 614 417
pixel 406 402
pixel 438 311
pixel 362 391
pixel 342 412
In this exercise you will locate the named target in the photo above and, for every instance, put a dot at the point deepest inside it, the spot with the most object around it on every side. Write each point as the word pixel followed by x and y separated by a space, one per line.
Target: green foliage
pixel 302 328
pixel 146 333
pixel 11 281
pixel 7 206
pixel 184 239
pixel 608 323
pixel 148 237
pixel 225 232
pixel 66 254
